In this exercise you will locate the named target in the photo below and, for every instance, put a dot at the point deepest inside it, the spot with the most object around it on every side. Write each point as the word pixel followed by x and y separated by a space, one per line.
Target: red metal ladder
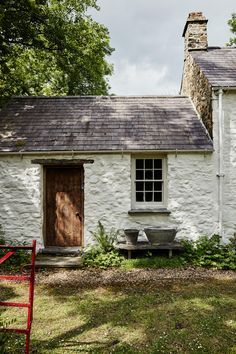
pixel 28 278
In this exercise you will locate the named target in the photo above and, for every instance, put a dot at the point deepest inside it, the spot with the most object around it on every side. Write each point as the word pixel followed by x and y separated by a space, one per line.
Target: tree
pixel 232 24
pixel 52 47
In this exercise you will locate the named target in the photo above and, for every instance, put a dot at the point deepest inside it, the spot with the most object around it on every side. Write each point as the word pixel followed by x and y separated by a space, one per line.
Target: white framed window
pixel 148 182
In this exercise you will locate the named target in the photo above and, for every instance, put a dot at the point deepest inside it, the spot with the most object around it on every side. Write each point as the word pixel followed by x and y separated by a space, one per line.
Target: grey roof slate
pixel 218 65
pixel 101 123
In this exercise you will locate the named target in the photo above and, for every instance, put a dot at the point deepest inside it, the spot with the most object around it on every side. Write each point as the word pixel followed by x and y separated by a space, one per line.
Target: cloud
pixel 147 37
pixel 141 79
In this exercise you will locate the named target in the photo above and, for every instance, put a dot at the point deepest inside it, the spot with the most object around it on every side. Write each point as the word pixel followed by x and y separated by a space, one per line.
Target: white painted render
pixel 191 195
pixel 20 199
pixel 228 173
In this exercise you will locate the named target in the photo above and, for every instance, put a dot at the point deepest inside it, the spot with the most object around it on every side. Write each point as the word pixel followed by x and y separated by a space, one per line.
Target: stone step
pixel 60 250
pixel 54 261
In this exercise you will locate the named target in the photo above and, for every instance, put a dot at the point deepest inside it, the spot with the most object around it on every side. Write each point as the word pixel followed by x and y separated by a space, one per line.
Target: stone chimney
pixel 194 83
pixel 195 32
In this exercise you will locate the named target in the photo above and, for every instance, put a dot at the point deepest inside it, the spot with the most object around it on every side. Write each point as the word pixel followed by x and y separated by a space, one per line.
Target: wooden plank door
pixel 64 206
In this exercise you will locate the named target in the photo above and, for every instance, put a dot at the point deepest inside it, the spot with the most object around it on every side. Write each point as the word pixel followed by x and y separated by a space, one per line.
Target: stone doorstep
pixel 59 257
pixel 61 251
pixel 55 261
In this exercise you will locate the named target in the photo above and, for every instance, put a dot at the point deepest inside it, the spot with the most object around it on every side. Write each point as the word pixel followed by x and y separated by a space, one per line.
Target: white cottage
pixel 67 162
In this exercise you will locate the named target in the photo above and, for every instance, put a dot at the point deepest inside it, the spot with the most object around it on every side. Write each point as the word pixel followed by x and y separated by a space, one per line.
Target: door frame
pixel 61 166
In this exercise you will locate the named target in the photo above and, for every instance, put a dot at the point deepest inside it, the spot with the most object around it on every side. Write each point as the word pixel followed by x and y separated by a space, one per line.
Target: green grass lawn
pixel 153 262
pixel 170 316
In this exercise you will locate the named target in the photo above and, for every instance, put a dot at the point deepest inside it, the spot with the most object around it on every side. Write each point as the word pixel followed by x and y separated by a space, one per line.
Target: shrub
pixel 20 257
pixel 2 235
pixel 105 240
pixel 103 253
pixel 4 336
pixel 94 258
pixel 210 252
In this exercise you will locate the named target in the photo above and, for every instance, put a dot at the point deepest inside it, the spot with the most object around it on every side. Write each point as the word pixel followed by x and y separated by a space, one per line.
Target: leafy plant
pixel 4 336
pixel 105 240
pixel 210 252
pixel 20 257
pixel 2 235
pixel 103 253
pixel 52 48
pixel 232 25
pixel 94 258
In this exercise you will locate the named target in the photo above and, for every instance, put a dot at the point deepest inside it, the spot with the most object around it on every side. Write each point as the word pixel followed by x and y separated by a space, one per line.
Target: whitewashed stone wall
pixel 192 189
pixel 191 195
pixel 229 158
pixel 20 199
pixel 107 191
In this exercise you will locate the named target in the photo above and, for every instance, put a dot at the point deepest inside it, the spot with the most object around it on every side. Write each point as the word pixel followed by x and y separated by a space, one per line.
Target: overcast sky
pixel 147 37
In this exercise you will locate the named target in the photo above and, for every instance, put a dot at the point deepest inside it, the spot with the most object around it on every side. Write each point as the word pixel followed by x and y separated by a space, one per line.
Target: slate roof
pixel 101 123
pixel 218 65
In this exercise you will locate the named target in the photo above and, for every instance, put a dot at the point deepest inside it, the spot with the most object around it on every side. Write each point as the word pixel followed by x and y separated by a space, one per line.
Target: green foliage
pixel 209 252
pixel 153 262
pixel 4 336
pixel 2 234
pixel 95 258
pixel 52 48
pixel 232 24
pixel 204 252
pixel 103 254
pixel 105 240
pixel 16 261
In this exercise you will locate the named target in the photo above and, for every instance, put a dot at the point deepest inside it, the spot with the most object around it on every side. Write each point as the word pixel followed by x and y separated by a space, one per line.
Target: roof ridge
pixel 99 97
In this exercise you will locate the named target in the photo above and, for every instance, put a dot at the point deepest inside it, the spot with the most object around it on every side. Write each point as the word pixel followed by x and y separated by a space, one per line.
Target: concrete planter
pixel 131 236
pixel 157 235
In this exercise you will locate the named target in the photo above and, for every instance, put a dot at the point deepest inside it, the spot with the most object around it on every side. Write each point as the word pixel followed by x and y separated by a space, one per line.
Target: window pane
pixel 139 186
pixel 139 197
pixel 148 186
pixel 149 174
pixel 139 174
pixel 158 197
pixel 149 180
pixel 157 163
pixel 149 163
pixel 158 174
pixel 148 196
pixel 157 186
pixel 139 163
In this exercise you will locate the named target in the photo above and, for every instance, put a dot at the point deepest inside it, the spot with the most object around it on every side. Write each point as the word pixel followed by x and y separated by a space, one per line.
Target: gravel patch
pixel 116 277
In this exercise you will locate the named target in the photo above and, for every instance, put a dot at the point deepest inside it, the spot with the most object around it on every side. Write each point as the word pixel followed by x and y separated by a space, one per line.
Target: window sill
pixel 149 211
